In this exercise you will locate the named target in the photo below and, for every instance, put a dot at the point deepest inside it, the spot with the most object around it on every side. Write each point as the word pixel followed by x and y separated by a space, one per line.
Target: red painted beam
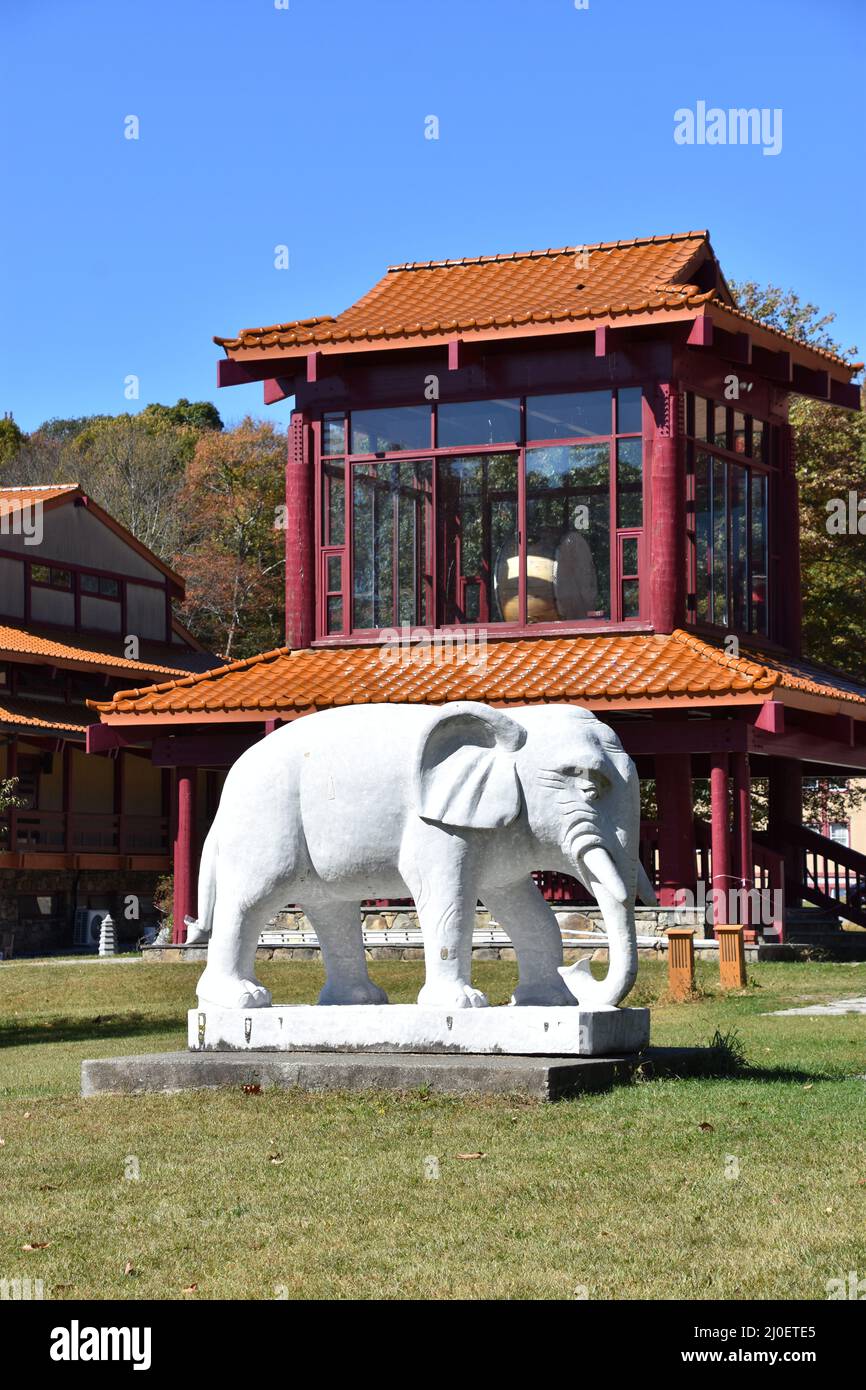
pixel 314 367
pixel 231 373
pixel 278 389
pixel 701 332
pixel 811 383
pixel 807 748
pixel 846 394
pixel 772 717
pixel 602 340
pixel 661 737
pixel 211 749
pixel 105 738
pixel 776 366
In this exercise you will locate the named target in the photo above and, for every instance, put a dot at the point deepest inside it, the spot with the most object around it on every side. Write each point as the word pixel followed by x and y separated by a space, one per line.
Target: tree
pixel 830 460
pixel 233 557
pixel 11 438
pixel 199 415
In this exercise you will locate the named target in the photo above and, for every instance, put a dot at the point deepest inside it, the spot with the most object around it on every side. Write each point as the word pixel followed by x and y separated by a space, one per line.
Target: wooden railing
pixel 832 876
pixel 54 832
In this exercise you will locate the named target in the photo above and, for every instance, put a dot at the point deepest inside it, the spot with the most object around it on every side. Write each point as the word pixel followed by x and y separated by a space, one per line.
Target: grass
pixel 626 1194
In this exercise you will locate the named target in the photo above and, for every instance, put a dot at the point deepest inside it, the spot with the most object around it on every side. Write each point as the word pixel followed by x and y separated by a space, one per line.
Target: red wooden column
pixel 667 558
pixel 721 828
pixel 676 825
pixel 185 885
pixel 743 824
pixel 300 569
pixel 786 808
pixel 789 612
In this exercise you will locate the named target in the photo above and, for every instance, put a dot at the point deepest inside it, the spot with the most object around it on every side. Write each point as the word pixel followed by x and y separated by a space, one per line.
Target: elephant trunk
pixel 616 901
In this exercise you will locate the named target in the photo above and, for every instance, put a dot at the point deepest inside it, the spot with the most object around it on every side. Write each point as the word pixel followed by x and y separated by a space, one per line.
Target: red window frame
pixel 349 461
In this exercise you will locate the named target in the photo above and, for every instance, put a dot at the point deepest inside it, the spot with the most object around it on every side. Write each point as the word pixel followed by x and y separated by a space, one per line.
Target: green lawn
pixel 625 1194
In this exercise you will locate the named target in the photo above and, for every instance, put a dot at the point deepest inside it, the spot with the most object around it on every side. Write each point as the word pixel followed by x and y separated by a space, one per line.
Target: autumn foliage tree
pixel 230 507
pixel 830 459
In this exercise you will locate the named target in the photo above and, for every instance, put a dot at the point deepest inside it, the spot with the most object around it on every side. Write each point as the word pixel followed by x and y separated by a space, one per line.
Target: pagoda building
pixel 561 475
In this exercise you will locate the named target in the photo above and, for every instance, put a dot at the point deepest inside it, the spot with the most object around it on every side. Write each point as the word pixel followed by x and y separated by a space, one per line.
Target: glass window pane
pixel 720 543
pixel 739 440
pixel 759 433
pixel 335 574
pixel 334 434
pixel 759 553
pixel 335 614
pixel 335 528
pixel 477 500
pixel 706 420
pixel 478 422
pixel 390 543
pixel 720 427
pixel 568 532
pixel 629 482
pixel 566 417
pixel 387 431
pixel 628 410
pixel 629 555
pixel 703 539
pixel 89 584
pixel 739 549
pixel 630 598
pixel 109 588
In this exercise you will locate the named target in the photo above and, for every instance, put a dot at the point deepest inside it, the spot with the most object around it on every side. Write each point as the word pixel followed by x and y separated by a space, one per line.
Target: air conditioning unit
pixel 86 927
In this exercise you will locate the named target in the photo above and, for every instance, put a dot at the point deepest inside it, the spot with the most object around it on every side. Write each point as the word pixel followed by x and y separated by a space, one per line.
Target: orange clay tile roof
pixel 36 492
pixel 630 670
pixel 89 653
pixel 613 279
pixel 43 714
pixel 506 290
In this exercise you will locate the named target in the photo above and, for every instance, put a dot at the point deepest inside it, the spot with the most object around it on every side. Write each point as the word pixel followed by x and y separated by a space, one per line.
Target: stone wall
pixel 55 932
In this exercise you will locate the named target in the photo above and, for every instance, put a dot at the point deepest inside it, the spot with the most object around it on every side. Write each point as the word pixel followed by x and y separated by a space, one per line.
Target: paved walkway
pixel 836 1008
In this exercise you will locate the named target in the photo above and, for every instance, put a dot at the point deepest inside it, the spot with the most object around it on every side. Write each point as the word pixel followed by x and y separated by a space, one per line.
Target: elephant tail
pixel 200 930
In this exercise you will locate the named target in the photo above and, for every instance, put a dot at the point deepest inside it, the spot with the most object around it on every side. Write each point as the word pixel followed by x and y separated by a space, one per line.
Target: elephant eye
pixel 588 775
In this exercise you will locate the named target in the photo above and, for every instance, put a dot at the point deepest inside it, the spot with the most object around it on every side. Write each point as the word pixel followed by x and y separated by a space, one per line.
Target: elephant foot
pixel 451 996
pixel 544 994
pixel 358 992
pixel 231 992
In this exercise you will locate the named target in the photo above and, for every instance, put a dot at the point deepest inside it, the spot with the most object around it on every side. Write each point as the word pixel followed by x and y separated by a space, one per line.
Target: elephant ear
pixel 465 772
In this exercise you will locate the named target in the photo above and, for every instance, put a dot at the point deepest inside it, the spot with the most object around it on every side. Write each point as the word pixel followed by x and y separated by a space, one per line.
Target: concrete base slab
pixel 360 1028
pixel 544 1078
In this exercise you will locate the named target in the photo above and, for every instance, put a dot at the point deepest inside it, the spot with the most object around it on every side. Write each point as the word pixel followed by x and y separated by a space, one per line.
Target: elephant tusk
pixel 601 867
pixel 645 890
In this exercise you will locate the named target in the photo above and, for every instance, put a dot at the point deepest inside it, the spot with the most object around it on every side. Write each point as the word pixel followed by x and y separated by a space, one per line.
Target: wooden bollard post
pixel 681 961
pixel 732 957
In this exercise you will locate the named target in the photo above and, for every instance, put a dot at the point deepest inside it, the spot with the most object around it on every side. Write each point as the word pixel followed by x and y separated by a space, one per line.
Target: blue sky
pixel 304 126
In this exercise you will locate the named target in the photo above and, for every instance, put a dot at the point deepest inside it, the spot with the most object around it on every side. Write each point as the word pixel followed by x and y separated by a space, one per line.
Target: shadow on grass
pixel 87 1029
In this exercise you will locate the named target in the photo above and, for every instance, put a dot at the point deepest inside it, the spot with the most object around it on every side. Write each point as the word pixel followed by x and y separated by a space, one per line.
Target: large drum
pixel 561 582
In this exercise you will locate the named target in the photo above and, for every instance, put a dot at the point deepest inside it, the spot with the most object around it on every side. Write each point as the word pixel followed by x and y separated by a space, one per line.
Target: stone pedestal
pixel 396 1028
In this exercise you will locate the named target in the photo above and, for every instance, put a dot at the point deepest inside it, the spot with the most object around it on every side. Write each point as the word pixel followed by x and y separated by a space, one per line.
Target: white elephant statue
pixel 444 804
